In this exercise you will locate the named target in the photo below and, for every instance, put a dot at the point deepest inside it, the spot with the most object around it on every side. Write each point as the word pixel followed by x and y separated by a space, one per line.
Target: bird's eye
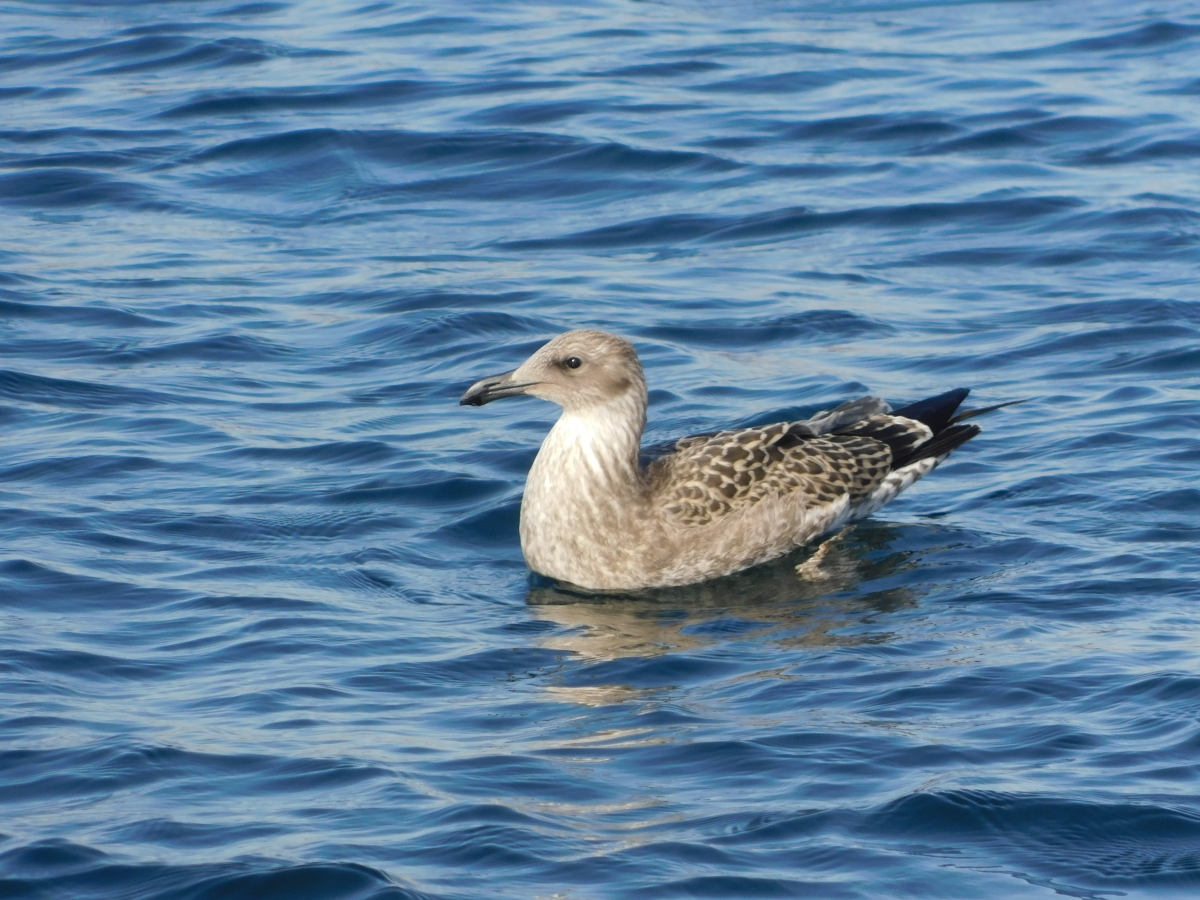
pixel 574 362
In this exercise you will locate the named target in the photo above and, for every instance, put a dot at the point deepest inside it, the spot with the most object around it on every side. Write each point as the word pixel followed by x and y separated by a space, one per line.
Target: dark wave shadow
pixel 61 868
pixel 1087 849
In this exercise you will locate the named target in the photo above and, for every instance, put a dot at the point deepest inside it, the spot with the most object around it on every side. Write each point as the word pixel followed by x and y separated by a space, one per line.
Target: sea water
pixel 265 627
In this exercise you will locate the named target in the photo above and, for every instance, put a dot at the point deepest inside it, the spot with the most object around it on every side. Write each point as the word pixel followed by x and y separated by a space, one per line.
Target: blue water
pixel 265 627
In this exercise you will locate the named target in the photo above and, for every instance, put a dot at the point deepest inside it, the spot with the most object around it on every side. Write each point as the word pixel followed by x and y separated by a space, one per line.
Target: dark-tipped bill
pixel 494 387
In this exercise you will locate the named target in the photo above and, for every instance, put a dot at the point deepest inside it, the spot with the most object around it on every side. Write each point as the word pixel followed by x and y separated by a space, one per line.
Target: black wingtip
pixel 983 410
pixel 936 411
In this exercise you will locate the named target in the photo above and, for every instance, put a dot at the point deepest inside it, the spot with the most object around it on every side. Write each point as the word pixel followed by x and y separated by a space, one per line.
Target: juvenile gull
pixel 594 516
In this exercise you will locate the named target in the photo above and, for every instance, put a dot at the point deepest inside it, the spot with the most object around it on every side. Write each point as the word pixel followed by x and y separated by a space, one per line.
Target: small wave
pixel 424 488
pixel 442 299
pixel 817 325
pixel 1151 150
pixel 538 113
pixel 676 69
pixel 64 188
pixel 25 306
pixel 463 164
pixel 452 327
pixel 880 127
pixel 441 675
pixel 493 528
pixel 152 48
pixel 164 52
pixel 60 867
pixel 1101 844
pixel 299 99
pixel 1151 36
pixel 427 25
pixel 340 452
pixel 215 348
pixel 783 223
pixel 794 82
pixel 1173 361
pixel 1131 311
pixel 54 665
pixel 22 387
pixel 258 8
pixel 82 469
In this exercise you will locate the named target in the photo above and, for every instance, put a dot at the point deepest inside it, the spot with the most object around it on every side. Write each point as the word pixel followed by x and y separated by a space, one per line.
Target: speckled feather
pixel 708 478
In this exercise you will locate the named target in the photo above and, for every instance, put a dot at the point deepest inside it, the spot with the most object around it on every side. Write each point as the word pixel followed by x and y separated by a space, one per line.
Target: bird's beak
pixel 494 387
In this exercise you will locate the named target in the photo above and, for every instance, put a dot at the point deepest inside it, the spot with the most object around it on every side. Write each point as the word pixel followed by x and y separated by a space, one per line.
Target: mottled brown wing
pixel 902 434
pixel 709 477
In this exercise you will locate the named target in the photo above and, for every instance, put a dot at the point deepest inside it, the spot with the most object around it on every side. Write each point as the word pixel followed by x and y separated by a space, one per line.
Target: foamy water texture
pixel 266 627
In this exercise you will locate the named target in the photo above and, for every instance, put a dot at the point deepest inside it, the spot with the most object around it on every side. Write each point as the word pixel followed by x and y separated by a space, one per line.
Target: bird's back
pixel 710 478
pixel 738 497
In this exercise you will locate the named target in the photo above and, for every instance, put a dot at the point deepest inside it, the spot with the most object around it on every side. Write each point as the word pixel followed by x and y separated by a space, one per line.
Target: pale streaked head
pixel 576 370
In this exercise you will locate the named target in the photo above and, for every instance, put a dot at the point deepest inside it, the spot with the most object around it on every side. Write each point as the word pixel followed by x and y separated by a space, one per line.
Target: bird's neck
pixel 585 516
pixel 584 485
pixel 596 447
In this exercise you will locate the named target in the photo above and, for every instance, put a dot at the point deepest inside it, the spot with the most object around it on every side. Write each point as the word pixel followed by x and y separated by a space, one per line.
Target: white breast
pixel 582 512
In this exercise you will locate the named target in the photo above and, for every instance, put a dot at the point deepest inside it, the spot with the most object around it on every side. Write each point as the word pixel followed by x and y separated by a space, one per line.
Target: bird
pixel 595 517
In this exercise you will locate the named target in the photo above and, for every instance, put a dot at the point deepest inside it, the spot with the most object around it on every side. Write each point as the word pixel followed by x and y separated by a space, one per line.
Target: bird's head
pixel 578 370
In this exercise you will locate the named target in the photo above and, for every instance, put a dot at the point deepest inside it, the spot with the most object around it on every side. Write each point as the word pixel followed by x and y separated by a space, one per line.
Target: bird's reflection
pixel 820 596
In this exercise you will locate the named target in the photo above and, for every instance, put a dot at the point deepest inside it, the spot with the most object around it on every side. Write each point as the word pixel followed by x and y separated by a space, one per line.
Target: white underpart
pixel 580 502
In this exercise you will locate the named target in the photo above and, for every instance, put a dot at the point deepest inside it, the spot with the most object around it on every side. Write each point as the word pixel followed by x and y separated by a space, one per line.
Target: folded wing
pixel 855 457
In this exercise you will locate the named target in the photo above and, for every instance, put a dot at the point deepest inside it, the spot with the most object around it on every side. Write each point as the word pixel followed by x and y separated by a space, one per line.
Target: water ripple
pixel 267 627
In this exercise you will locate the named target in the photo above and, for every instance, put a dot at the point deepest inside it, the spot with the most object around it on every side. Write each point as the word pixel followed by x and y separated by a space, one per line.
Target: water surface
pixel 266 628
